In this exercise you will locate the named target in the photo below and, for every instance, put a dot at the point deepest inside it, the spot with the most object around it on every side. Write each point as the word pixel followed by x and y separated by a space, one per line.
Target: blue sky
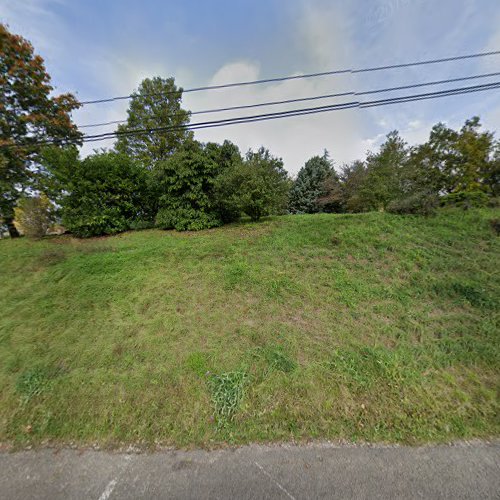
pixel 103 48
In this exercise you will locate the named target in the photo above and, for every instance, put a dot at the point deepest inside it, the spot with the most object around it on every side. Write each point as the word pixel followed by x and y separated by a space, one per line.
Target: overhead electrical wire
pixel 299 112
pixel 286 114
pixel 303 76
pixel 317 97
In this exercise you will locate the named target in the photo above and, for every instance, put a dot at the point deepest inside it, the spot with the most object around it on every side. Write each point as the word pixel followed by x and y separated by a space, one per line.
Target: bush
pixel 33 216
pixel 422 203
pixel 141 224
pixel 186 190
pixel 186 219
pixel 466 199
pixel 258 186
pixel 107 194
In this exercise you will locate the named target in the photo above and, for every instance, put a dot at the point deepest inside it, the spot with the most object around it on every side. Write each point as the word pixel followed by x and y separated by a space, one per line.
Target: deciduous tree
pixel 29 115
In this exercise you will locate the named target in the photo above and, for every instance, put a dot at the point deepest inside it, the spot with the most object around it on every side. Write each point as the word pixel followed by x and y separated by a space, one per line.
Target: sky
pixel 103 48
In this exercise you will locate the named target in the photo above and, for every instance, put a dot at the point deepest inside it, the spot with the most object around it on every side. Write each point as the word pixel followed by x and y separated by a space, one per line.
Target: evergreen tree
pixel 309 185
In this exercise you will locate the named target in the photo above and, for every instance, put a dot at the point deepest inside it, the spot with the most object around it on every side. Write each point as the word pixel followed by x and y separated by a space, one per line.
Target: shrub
pixel 466 199
pixel 141 224
pixel 258 186
pixel 421 203
pixel 107 192
pixel 33 216
pixel 186 190
pixel 186 219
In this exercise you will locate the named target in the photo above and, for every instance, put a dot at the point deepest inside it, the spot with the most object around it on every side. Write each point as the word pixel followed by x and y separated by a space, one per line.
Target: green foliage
pixel 258 186
pixel 227 393
pixel 186 186
pixel 32 383
pixel 29 115
pixel 309 186
pixel 33 215
pixel 458 161
pixel 156 104
pixel 104 194
pixel 197 362
pixel 383 182
pixel 466 199
pixel 420 203
pixel 278 359
pixel 380 353
pixel 353 178
pixel 495 226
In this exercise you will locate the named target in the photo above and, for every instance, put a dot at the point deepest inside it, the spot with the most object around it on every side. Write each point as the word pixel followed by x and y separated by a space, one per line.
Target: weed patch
pixel 277 359
pixel 227 393
pixel 32 383
pixel 475 295
pixel 197 362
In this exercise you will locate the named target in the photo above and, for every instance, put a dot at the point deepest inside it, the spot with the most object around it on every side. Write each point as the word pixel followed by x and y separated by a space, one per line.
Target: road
pixel 284 472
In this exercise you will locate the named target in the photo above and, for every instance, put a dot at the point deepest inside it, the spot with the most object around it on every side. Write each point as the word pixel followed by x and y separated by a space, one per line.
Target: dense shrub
pixel 258 186
pixel 33 216
pixel 421 203
pixel 186 190
pixel 466 199
pixel 106 192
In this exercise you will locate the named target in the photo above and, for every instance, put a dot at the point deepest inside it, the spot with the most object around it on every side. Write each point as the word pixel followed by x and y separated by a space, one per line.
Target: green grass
pixel 361 327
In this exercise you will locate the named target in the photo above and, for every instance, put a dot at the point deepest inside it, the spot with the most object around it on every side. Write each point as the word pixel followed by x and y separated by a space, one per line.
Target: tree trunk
pixel 14 233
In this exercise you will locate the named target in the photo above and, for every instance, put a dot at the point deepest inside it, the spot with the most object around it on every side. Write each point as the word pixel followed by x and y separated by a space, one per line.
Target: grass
pixel 361 327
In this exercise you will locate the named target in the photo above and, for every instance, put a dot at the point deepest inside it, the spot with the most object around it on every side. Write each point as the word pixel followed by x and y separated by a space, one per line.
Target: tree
pixel 353 177
pixel 186 189
pixel 384 173
pixel 28 116
pixel 457 161
pixel 156 104
pixel 105 193
pixel 34 215
pixel 258 186
pixel 309 185
pixel 492 175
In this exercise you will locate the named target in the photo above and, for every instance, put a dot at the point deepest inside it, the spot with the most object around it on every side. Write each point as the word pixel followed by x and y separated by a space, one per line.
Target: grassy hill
pixel 363 327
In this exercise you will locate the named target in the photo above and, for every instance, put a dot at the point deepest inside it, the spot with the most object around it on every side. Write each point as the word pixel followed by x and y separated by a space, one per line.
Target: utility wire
pixel 298 112
pixel 285 114
pixel 317 97
pixel 308 75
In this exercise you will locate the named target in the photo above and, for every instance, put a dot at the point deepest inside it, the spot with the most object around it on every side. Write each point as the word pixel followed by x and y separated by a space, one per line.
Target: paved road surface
pixel 283 472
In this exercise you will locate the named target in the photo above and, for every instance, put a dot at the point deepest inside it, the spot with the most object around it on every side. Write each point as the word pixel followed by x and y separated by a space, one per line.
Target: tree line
pixel 167 179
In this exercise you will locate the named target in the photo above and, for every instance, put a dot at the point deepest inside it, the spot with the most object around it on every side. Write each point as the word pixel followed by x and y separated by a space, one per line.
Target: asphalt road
pixel 285 472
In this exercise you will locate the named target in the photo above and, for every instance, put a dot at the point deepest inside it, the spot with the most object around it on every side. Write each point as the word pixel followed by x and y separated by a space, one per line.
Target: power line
pixel 300 111
pixel 317 97
pixel 308 75
pixel 286 114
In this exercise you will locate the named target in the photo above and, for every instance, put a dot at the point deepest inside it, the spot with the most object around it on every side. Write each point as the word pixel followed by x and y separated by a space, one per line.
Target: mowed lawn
pixel 367 327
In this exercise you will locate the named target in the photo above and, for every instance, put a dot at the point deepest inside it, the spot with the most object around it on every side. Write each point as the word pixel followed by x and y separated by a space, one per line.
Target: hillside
pixel 359 327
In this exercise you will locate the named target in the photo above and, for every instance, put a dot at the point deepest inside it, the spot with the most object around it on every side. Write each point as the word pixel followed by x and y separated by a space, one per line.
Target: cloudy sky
pixel 102 48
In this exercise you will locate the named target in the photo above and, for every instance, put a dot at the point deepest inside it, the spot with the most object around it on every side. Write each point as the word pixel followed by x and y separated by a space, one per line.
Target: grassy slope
pixel 370 326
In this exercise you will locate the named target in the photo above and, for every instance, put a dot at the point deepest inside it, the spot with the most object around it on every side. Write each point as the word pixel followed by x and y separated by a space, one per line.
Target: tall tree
pixel 383 182
pixel 309 185
pixel 353 177
pixel 457 161
pixel 29 114
pixel 156 104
